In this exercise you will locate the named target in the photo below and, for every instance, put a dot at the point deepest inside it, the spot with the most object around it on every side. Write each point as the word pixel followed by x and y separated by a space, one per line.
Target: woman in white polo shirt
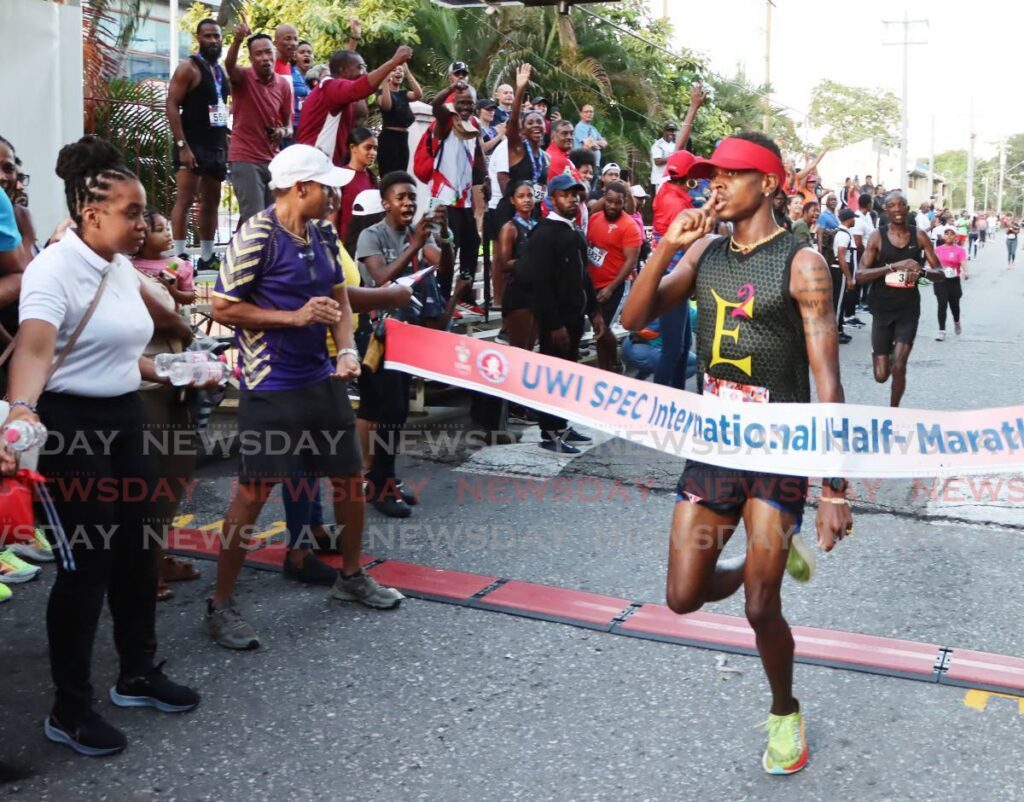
pixel 100 476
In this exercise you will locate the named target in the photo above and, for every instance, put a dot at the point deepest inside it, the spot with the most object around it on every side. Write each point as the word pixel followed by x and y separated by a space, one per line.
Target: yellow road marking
pixel 978 700
pixel 276 528
pixel 182 520
pixel 210 527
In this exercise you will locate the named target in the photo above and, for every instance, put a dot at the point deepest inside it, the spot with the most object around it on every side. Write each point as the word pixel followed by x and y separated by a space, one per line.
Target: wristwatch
pixel 836 484
pixel 181 143
pixel 348 352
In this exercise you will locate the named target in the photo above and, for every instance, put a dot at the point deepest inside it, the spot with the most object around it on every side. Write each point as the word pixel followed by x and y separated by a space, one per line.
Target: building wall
pixel 46 91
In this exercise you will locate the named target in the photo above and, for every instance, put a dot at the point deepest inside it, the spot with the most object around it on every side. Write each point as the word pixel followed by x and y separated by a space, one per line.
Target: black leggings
pixel 462 225
pixel 392 151
pixel 103 490
pixel 948 292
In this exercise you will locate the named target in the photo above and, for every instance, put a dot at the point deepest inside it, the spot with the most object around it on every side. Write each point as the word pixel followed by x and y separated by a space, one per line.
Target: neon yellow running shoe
pixel 787 746
pixel 14 571
pixel 800 561
pixel 5 593
pixel 37 550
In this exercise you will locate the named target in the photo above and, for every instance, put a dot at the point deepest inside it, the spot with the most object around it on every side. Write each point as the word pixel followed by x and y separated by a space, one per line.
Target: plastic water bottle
pixel 186 372
pixel 164 362
pixel 21 435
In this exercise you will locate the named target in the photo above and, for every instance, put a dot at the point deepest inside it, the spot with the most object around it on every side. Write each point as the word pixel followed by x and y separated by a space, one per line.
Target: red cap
pixel 679 164
pixel 739 154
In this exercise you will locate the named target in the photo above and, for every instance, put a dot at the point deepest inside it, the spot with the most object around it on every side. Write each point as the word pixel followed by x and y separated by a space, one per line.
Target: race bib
pixel 219 116
pixel 734 391
pixel 950 272
pixel 596 255
pixel 898 279
pixel 539 193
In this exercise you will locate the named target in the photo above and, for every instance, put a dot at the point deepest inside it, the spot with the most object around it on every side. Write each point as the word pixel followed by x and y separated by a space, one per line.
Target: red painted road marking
pixel 852 651
pixel 554 604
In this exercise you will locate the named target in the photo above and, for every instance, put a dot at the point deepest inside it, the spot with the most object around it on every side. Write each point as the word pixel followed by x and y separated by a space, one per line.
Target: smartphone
pixel 432 206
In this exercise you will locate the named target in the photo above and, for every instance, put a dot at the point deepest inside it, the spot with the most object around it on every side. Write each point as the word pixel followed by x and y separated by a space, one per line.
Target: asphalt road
pixel 437 702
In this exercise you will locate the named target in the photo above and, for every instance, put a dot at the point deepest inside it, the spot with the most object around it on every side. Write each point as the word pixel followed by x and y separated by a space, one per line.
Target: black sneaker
pixel 406 495
pixel 92 737
pixel 559 446
pixel 844 338
pixel 213 263
pixel 312 571
pixel 854 321
pixel 572 436
pixel 393 507
pixel 154 690
pixel 521 416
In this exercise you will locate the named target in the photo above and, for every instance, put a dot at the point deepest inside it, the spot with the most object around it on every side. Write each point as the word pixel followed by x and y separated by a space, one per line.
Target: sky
pixel 970 45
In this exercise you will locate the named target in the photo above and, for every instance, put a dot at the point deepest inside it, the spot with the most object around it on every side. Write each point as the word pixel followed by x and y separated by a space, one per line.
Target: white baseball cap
pixel 366 203
pixel 305 163
pixel 610 166
pixel 638 191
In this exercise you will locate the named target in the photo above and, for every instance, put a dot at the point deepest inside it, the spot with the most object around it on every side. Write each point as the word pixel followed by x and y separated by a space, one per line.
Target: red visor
pixel 739 154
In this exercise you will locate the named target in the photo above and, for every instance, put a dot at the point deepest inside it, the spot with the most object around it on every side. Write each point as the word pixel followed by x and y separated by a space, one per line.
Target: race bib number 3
pixel 897 279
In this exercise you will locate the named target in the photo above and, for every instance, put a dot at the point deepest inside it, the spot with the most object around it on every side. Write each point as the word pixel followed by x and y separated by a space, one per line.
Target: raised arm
pixel 416 93
pixel 801 177
pixel 697 98
pixel 379 75
pixel 515 138
pixel 653 293
pixel 235 74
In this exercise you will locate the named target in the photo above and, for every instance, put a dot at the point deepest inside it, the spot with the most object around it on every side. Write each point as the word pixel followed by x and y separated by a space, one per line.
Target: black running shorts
pixel 210 161
pixel 726 490
pixel 887 330
pixel 309 431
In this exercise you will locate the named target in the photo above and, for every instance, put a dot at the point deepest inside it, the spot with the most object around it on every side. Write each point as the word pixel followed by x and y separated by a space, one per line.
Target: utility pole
pixel 172 21
pixel 905 43
pixel 969 197
pixel 766 119
pixel 1002 175
pixel 985 204
pixel 931 162
pixel 664 9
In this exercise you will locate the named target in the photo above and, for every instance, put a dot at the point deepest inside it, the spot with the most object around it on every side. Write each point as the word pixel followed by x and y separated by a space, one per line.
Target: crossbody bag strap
pixel 6 354
pixel 80 327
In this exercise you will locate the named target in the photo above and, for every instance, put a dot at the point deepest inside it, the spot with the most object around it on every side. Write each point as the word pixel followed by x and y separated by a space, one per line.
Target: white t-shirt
pixel 58 286
pixel 660 150
pixel 938 234
pixel 923 223
pixel 864 226
pixel 497 163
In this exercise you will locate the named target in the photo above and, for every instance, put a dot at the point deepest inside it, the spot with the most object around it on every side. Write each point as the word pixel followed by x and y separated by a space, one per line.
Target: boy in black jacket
pixel 554 263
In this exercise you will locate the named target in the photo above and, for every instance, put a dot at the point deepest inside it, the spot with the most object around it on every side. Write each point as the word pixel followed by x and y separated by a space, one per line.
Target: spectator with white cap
pixel 282 287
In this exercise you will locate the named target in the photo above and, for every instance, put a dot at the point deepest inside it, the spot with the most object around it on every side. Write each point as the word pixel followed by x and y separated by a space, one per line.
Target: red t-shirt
pixel 359 182
pixel 256 106
pixel 668 203
pixel 606 244
pixel 559 162
pixel 327 110
pixel 283 68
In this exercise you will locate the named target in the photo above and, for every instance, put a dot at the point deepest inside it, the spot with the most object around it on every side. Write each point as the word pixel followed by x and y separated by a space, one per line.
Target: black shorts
pixel 492 226
pixel 887 330
pixel 726 490
pixel 309 431
pixel 210 161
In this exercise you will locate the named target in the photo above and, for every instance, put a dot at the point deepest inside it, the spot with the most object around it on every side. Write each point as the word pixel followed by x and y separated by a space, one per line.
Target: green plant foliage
pixel 852 113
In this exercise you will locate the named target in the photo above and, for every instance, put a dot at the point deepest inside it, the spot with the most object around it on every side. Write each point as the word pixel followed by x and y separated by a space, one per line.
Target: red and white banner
pixel 791 439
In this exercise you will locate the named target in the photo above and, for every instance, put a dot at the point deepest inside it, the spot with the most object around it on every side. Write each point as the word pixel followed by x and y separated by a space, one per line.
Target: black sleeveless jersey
pixel 749 329
pixel 886 300
pixel 195 107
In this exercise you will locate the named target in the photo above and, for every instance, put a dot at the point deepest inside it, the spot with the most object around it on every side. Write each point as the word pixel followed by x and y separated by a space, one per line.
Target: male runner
pixel 197 113
pixel 894 298
pixel 764 312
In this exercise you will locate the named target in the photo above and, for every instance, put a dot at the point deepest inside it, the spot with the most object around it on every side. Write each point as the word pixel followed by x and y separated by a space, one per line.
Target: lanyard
pixel 537 161
pixel 527 224
pixel 218 78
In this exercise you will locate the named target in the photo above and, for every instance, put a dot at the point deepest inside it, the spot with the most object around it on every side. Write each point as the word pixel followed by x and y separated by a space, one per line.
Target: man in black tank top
pixel 764 318
pixel 892 264
pixel 198 115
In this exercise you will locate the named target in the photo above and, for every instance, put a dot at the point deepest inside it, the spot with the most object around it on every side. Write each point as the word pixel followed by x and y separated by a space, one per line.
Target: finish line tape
pixel 791 439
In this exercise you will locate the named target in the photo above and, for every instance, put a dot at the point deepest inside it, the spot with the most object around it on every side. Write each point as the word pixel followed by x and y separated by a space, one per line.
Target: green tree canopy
pixel 852 113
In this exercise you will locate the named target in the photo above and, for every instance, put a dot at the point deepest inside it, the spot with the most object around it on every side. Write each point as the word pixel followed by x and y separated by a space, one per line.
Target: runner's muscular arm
pixel 654 293
pixel 811 287
pixel 934 270
pixel 868 272
pixel 186 77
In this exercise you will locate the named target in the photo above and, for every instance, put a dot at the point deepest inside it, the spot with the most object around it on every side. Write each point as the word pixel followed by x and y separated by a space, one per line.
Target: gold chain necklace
pixel 735 247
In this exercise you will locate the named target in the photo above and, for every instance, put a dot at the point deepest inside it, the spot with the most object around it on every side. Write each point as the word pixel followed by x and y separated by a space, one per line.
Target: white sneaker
pixel 14 571
pixel 940 337
pixel 37 550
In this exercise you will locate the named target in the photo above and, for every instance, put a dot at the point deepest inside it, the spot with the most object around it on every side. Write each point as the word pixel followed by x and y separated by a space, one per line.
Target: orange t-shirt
pixel 606 242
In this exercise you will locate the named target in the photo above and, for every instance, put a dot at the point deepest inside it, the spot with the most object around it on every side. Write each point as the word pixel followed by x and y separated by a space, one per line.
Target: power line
pixel 678 57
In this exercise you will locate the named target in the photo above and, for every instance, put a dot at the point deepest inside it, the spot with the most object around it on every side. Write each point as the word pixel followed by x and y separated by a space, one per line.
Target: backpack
pixel 425 157
pixel 828 250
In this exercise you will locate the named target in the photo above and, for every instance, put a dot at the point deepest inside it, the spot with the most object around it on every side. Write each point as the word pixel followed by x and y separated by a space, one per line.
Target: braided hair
pixel 88 167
